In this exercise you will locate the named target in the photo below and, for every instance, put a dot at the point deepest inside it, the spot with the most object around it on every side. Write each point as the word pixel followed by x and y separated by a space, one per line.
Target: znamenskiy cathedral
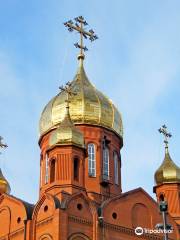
pixel 80 192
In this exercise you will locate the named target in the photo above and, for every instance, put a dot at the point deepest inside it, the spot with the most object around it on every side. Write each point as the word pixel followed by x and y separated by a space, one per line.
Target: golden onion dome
pixel 4 185
pixel 168 172
pixel 66 133
pixel 88 106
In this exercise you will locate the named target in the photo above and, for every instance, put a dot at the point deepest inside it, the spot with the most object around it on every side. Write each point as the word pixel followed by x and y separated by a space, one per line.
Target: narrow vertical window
pixel 41 174
pixel 46 169
pixel 161 197
pixel 116 171
pixel 106 163
pixel 52 172
pixel 76 169
pixel 41 168
pixel 91 160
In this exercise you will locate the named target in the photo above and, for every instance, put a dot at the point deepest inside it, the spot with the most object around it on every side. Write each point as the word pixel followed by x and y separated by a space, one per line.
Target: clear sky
pixel 136 62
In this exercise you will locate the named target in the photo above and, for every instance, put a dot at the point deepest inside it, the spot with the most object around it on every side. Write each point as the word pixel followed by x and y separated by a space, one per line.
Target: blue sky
pixel 136 62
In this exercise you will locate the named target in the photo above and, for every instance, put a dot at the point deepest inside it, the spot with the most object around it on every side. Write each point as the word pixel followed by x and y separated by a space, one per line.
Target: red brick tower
pixel 63 156
pixel 94 145
pixel 167 179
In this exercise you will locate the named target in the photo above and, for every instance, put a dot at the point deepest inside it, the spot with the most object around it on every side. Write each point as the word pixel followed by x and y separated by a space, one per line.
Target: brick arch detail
pixel 44 197
pixel 78 236
pixel 41 201
pixel 85 198
pixel 140 216
pixel 7 226
pixel 46 237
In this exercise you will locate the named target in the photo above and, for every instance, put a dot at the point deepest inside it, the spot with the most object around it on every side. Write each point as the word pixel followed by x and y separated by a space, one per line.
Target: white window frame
pixel 106 163
pixel 116 168
pixel 92 160
pixel 46 169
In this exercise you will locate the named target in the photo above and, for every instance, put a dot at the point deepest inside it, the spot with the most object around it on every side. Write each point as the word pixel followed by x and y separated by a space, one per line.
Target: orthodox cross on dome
pixel 2 145
pixel 163 130
pixel 67 89
pixel 79 26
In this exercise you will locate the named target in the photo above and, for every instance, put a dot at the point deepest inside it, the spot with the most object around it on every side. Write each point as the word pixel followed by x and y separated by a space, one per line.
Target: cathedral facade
pixel 80 191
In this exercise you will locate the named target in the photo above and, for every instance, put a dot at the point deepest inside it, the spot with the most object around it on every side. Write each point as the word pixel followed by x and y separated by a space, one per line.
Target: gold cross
pixel 2 145
pixel 79 27
pixel 163 130
pixel 68 91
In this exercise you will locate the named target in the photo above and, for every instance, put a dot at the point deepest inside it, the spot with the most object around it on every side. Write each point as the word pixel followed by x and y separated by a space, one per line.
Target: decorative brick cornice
pixel 44 221
pixel 79 220
pixel 17 232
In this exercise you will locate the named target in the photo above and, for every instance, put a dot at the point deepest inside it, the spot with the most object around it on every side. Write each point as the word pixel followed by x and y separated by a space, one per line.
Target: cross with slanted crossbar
pixel 79 27
pixel 163 130
pixel 67 89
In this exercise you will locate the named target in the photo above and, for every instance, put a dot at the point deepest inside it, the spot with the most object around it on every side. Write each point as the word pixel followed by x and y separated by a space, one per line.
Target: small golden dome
pixel 4 185
pixel 66 133
pixel 88 106
pixel 168 172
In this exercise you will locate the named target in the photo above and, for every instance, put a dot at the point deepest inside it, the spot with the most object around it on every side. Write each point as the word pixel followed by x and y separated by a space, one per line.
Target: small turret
pixel 167 180
pixel 67 133
pixel 168 172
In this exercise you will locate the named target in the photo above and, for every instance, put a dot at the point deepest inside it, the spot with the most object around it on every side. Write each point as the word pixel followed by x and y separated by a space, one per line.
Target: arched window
pixel 76 169
pixel 106 163
pixel 161 197
pixel 91 160
pixel 116 168
pixel 46 169
pixel 52 172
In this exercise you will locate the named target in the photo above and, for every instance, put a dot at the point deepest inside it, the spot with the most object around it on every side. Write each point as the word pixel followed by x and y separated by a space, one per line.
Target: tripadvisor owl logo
pixel 139 231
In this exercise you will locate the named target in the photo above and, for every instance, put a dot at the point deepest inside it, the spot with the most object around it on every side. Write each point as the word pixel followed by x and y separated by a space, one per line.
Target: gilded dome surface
pixel 168 172
pixel 66 133
pixel 4 185
pixel 88 106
